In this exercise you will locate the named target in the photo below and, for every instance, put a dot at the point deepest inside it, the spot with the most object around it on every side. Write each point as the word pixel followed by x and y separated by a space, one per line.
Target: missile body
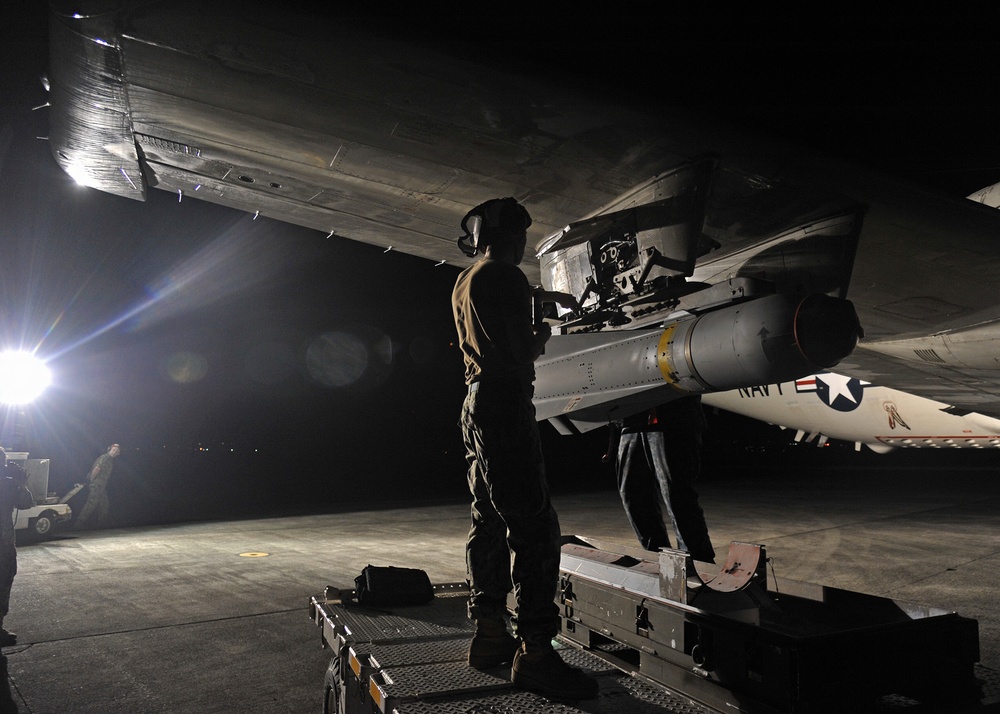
pixel 586 380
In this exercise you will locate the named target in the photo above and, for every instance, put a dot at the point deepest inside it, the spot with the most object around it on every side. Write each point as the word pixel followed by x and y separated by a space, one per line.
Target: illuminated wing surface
pixel 651 217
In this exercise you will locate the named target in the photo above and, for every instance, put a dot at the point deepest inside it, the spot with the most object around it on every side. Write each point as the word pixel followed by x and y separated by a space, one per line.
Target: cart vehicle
pixel 49 510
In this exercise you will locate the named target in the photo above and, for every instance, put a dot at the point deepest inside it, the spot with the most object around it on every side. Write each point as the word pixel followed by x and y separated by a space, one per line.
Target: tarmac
pixel 213 616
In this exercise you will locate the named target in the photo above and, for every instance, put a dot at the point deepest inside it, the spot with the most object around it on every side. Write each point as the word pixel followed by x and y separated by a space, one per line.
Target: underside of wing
pixel 336 127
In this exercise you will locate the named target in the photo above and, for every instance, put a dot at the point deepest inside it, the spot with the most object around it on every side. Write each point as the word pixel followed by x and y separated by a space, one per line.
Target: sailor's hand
pixel 567 302
pixel 563 300
pixel 542 334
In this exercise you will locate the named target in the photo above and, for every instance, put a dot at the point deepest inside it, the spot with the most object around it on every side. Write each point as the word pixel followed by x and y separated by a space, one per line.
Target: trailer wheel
pixel 42 526
pixel 333 702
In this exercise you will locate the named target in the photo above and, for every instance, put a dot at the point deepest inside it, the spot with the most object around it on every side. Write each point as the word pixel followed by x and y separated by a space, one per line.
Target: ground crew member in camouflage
pixel 97 507
pixel 13 494
pixel 514 538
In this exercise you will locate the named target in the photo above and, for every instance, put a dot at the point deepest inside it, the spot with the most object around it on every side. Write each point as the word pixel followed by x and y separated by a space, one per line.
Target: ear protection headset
pixel 495 221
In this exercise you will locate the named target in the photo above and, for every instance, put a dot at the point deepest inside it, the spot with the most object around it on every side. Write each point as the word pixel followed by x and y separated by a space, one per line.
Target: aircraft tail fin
pixel 989 196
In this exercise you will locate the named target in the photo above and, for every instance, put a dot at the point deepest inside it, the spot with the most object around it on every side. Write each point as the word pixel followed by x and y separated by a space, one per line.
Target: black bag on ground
pixel 381 586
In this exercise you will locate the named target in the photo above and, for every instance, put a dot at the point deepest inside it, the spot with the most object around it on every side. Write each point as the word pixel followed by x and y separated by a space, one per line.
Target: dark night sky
pixel 171 324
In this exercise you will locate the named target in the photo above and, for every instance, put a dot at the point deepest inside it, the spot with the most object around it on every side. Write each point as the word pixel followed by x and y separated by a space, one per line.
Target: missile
pixel 583 381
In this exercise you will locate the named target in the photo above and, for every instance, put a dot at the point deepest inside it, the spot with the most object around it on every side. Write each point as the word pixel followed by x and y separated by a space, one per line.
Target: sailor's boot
pixel 539 668
pixel 492 645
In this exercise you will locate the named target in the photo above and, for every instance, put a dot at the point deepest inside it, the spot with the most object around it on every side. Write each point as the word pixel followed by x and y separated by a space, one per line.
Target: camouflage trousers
pixel 97 509
pixel 514 538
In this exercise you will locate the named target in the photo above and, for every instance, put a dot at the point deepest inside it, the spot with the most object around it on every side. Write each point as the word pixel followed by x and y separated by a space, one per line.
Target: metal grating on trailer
pixel 620 694
pixel 428 680
pixel 367 625
pixel 587 661
pixel 405 654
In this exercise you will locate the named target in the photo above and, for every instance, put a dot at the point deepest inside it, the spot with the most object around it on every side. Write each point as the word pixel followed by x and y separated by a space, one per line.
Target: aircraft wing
pixel 343 129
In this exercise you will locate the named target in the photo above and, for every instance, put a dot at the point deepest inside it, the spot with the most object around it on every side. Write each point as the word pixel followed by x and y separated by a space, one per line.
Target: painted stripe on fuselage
pixel 663 355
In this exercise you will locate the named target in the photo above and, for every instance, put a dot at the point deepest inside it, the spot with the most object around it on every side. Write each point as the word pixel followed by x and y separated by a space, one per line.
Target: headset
pixel 494 221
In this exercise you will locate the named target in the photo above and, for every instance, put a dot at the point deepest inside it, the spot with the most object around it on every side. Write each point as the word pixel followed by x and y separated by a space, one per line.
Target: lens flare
pixel 186 367
pixel 337 359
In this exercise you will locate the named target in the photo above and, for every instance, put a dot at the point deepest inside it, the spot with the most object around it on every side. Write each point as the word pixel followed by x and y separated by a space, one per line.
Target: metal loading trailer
pixel 412 660
pixel 731 646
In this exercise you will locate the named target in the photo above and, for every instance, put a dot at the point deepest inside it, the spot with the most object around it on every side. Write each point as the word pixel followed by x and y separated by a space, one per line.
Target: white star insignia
pixel 837 383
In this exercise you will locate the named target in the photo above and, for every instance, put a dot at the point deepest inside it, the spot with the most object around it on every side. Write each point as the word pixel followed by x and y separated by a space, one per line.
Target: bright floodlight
pixel 22 377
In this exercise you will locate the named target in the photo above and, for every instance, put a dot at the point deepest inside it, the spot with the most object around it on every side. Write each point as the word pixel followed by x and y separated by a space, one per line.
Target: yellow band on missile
pixel 663 354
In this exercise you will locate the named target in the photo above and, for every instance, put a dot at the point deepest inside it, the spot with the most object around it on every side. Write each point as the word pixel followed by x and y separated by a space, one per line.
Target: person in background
pixel 659 455
pixel 97 509
pixel 13 494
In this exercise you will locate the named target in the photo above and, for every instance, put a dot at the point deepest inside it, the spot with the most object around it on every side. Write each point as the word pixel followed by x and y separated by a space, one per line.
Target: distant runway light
pixel 23 377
